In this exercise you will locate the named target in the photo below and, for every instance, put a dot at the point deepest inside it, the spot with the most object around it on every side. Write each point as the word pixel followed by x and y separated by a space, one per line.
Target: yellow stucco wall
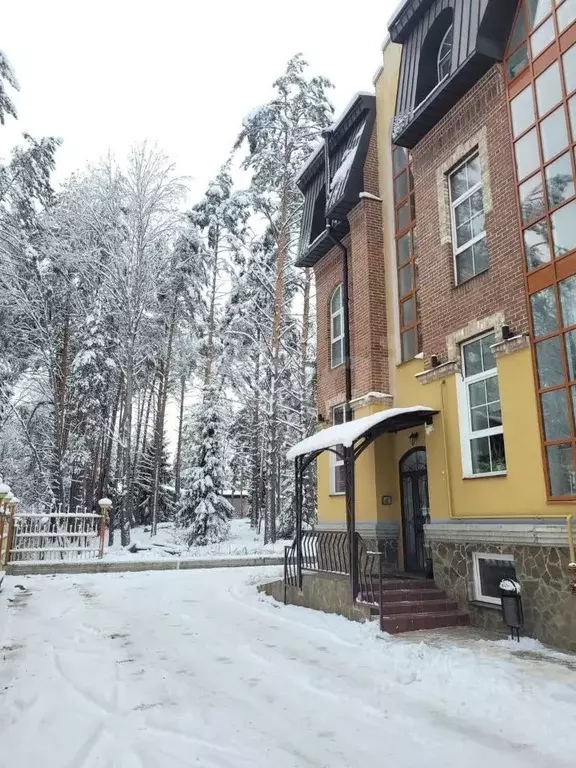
pixel 521 493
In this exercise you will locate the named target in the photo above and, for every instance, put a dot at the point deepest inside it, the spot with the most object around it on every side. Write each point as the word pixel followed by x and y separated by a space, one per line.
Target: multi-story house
pixel 440 220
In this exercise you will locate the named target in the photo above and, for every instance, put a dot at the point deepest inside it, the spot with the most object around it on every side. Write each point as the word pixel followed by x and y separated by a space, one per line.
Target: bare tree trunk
pixel 212 314
pixel 178 462
pixel 161 415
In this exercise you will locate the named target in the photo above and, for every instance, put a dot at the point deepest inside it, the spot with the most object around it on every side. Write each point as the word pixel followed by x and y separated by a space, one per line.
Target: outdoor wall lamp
pixel 413 438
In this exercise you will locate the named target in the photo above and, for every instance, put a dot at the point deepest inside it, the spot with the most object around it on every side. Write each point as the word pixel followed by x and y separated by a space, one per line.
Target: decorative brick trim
pixel 441 371
pixel 474 328
pixel 539 533
pixel 480 142
pixel 332 402
pixel 509 346
pixel 371 398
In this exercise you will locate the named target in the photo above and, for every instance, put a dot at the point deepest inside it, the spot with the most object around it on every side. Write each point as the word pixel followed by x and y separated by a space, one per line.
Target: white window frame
pixel 334 314
pixel 457 250
pixel 476 557
pixel 336 461
pixel 449 31
pixel 467 434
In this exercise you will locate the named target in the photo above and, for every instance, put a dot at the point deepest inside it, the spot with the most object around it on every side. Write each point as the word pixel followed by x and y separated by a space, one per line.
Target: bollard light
pixel 512 611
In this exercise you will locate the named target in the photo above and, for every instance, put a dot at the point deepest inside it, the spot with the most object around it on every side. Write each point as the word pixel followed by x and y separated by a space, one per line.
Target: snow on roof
pixel 320 145
pixel 346 434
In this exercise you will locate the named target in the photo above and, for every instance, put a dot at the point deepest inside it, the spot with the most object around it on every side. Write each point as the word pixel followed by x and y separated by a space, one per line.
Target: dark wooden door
pixel 415 511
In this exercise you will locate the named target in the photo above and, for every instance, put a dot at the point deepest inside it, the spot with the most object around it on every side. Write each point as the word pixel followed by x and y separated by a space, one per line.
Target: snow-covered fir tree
pixel 203 511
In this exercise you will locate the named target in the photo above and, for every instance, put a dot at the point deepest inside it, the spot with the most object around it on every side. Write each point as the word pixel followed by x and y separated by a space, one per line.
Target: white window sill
pixel 333 367
pixel 333 493
pixel 484 475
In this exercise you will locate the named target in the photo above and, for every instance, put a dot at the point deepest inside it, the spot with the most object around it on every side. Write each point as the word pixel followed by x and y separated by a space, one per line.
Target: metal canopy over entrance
pixel 348 441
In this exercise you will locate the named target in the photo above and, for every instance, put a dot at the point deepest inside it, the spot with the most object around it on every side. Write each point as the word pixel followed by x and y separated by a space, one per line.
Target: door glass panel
pixel 549 362
pixel 561 470
pixel 536 244
pixel 563 229
pixel 548 89
pixel 544 312
pixel 559 180
pixel 532 198
pixel 555 414
pixel 553 132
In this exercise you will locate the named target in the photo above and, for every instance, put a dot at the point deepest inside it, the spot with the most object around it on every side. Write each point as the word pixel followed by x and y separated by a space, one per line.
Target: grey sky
pixel 179 72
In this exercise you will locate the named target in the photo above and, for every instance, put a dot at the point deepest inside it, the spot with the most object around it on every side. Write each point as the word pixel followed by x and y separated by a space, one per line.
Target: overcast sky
pixel 182 73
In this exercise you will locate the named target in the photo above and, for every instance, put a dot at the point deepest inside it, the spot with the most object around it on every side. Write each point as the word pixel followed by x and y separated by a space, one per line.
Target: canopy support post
pixel 349 460
pixel 299 506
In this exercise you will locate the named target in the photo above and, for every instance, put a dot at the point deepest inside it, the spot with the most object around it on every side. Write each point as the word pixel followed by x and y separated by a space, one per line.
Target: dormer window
pixel 435 55
pixel 445 54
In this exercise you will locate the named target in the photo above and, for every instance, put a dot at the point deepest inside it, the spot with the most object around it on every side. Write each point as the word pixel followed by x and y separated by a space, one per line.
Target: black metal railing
pixel 370 577
pixel 321 552
pixel 328 552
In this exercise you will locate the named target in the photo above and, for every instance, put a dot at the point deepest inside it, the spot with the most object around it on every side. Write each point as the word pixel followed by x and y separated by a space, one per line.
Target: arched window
pixel 445 54
pixel 337 327
pixel 435 55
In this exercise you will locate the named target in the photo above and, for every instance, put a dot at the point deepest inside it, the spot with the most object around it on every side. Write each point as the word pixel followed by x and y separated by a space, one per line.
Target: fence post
pixel 104 505
pixel 10 537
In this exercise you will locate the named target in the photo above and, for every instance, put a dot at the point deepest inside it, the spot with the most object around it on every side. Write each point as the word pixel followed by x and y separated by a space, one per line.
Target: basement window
pixel 489 570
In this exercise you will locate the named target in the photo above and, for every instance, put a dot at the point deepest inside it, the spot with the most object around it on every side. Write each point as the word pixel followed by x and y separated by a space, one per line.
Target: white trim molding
pixel 531 533
pixel 372 398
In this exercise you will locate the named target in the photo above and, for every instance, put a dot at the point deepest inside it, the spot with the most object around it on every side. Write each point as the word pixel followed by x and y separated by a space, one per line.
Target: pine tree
pixel 280 136
pixel 145 486
pixel 204 513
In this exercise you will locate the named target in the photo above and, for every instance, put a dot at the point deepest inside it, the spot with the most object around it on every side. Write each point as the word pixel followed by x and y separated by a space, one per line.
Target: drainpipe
pixel 348 452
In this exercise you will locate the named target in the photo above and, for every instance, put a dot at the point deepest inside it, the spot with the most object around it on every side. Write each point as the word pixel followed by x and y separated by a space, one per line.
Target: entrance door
pixel 414 488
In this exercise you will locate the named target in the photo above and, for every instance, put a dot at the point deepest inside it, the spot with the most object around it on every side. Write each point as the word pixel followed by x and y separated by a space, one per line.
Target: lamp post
pixel 104 505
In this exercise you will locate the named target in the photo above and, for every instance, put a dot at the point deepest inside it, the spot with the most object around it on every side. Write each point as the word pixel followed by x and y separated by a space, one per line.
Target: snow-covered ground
pixel 194 668
pixel 168 543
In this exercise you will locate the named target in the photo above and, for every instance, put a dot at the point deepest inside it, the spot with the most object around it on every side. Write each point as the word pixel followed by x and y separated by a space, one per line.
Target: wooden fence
pixel 51 534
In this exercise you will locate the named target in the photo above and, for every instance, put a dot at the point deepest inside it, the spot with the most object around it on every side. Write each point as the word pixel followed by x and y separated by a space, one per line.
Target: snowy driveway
pixel 162 670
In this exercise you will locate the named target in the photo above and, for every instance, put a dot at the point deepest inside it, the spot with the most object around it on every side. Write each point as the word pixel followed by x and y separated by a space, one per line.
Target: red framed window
pixel 405 222
pixel 541 70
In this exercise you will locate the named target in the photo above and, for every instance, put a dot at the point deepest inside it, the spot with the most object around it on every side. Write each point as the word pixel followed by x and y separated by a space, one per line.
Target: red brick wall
pixel 444 307
pixel 368 335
